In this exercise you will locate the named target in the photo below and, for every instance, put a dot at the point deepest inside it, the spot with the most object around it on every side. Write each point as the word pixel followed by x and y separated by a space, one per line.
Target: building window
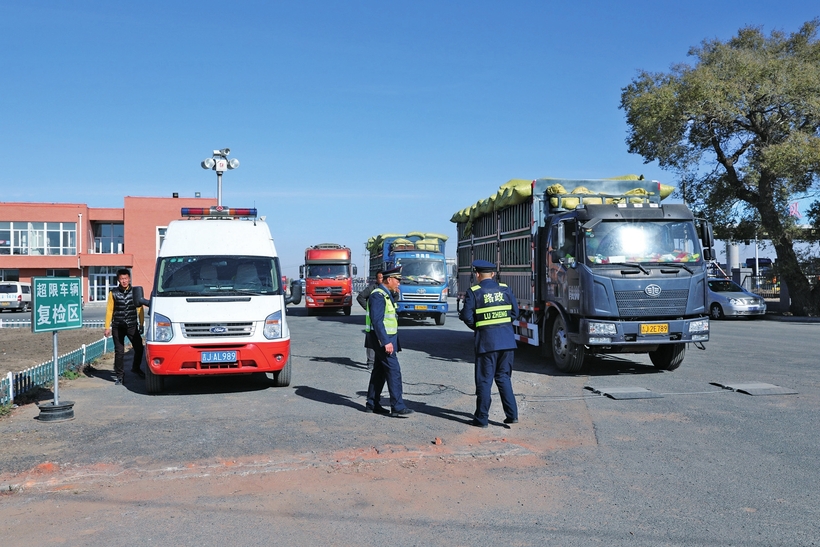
pixel 57 273
pixel 101 279
pixel 38 238
pixel 108 238
pixel 10 274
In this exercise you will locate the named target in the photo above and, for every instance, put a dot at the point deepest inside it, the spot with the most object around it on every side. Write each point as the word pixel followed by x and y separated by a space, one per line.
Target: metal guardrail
pixel 26 323
pixel 20 383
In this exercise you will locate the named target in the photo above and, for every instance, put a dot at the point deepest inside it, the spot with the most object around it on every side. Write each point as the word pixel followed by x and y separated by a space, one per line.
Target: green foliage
pixel 5 410
pixel 741 128
pixel 70 374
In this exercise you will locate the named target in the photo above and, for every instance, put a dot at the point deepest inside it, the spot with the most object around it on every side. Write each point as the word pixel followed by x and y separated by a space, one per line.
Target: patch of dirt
pixel 21 349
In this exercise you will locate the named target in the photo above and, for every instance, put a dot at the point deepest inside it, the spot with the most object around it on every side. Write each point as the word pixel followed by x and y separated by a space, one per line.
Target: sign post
pixel 56 304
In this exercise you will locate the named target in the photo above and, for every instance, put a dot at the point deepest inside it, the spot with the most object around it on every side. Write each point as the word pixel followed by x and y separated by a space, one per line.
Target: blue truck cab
pixel 424 285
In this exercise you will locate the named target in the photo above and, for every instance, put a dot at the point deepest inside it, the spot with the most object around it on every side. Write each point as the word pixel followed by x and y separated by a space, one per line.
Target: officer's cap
pixel 393 272
pixel 483 266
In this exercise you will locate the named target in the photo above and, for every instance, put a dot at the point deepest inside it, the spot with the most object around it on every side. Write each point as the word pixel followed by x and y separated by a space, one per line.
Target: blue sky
pixel 349 118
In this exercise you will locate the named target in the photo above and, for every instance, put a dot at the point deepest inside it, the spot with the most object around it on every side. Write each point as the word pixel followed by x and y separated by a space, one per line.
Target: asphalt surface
pixel 689 463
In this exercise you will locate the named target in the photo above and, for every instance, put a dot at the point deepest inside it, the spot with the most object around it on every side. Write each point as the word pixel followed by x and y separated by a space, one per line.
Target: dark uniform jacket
pixel 378 337
pixel 494 337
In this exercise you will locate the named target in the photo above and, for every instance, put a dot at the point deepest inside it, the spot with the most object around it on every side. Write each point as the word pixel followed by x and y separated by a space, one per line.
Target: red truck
pixel 328 275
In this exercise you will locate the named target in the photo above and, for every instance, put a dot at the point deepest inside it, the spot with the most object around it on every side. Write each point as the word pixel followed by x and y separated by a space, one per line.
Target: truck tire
pixel 668 356
pixel 153 383
pixel 347 310
pixel 281 378
pixel 440 318
pixel 568 356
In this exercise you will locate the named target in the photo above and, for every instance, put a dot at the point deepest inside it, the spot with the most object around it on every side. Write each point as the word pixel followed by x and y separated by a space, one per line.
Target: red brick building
pixel 75 240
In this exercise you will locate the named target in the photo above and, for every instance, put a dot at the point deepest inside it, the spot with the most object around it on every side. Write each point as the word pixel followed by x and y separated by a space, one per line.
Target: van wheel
pixel 26 307
pixel 281 378
pixel 568 356
pixel 668 356
pixel 153 383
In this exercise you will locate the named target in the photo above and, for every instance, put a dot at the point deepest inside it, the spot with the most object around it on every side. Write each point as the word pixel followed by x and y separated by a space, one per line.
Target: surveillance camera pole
pixel 219 163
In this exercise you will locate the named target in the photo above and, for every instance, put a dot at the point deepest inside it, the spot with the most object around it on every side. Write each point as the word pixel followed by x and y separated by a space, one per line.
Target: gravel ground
pixel 20 348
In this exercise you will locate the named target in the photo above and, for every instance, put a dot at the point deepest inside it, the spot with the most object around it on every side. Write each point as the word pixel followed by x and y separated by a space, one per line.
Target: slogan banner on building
pixel 56 304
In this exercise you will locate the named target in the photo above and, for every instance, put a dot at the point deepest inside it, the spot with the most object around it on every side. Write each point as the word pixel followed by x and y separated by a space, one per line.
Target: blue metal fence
pixel 19 383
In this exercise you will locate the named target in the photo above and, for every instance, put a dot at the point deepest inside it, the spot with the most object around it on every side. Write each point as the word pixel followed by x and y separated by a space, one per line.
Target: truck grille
pixel 639 304
pixel 327 290
pixel 416 297
pixel 202 330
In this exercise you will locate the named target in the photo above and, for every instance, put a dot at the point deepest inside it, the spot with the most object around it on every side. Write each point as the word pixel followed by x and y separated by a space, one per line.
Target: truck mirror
pixel 355 271
pixel 295 293
pixel 301 272
pixel 561 236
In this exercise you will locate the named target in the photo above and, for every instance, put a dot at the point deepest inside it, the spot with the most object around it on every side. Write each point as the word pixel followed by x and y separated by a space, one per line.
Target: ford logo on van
pixel 652 290
pixel 219 329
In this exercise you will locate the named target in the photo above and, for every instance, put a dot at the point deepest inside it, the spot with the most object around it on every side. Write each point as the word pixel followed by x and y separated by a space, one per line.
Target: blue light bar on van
pixel 218 211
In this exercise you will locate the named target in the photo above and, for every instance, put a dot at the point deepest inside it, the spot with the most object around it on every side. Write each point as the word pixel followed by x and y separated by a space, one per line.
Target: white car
pixel 727 298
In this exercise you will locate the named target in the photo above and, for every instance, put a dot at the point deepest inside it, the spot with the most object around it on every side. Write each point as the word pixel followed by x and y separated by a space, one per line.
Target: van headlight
pixel 273 326
pixel 161 328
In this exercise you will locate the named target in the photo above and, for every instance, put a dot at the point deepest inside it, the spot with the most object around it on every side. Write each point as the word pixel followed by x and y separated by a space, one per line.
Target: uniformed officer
pixel 382 335
pixel 489 309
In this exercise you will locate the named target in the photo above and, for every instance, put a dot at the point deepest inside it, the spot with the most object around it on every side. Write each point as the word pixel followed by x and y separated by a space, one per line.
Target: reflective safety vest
pixel 391 320
pixel 491 307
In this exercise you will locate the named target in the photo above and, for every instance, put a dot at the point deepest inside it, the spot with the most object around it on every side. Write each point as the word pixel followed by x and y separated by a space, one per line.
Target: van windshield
pixel 217 275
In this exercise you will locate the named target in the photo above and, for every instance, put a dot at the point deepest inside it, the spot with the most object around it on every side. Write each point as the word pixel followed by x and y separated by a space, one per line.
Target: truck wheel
pixel 347 310
pixel 716 312
pixel 440 318
pixel 568 356
pixel 281 378
pixel 153 383
pixel 668 356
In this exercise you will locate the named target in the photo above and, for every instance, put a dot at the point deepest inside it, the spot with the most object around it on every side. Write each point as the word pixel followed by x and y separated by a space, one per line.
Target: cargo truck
pixel 423 291
pixel 218 304
pixel 597 266
pixel 328 275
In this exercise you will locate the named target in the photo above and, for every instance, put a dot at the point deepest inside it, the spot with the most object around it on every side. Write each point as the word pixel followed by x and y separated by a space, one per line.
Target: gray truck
pixel 598 266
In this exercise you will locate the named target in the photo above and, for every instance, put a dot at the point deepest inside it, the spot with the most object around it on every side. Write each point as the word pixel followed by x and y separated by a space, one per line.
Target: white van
pixel 15 296
pixel 218 305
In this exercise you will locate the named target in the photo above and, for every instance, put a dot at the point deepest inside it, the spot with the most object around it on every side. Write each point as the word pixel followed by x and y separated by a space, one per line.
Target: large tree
pixel 741 129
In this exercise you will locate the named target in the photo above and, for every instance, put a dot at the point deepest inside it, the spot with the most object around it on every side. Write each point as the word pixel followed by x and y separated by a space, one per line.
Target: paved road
pixel 221 460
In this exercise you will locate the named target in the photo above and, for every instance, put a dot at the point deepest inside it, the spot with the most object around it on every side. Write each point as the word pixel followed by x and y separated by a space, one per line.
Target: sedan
pixel 727 298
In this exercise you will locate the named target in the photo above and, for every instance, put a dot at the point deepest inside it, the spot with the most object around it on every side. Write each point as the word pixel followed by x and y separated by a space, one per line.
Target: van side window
pixel 26 289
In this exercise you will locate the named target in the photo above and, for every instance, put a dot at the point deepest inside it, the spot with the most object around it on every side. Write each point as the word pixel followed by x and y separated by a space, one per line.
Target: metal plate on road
pixel 756 388
pixel 218 356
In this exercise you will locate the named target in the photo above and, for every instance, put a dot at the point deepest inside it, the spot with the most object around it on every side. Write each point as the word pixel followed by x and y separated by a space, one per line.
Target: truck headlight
pixel 444 295
pixel 161 328
pixel 273 326
pixel 701 325
pixel 604 329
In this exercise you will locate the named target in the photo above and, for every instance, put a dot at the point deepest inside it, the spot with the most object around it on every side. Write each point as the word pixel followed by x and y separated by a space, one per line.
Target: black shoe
pixel 118 382
pixel 376 410
pixel 476 423
pixel 403 413
pixel 510 420
pixel 138 372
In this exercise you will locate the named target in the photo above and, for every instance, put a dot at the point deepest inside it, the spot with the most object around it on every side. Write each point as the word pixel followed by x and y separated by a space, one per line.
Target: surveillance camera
pixel 225 151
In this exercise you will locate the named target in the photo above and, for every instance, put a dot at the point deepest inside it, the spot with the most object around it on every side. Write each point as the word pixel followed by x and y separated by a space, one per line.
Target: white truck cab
pixel 218 304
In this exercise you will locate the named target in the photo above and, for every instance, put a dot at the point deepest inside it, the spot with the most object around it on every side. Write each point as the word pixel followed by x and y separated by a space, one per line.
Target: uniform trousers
pixel 494 365
pixel 386 368
pixel 118 333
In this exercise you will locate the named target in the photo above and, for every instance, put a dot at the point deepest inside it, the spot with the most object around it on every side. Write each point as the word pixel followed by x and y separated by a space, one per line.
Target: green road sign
pixel 56 303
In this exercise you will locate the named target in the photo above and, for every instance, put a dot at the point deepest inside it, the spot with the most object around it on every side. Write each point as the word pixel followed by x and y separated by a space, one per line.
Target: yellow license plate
pixel 420 307
pixel 655 328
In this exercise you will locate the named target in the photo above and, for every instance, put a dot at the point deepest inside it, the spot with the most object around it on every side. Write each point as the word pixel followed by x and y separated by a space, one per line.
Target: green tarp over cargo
pixel 422 241
pixel 517 191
